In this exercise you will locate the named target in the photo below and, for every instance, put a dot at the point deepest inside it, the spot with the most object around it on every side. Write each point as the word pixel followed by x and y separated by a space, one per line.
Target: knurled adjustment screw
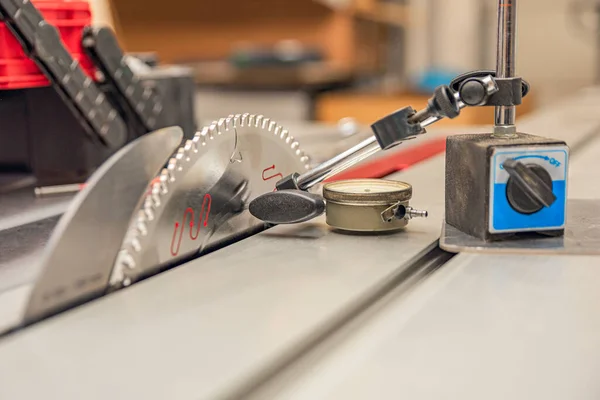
pixel 443 103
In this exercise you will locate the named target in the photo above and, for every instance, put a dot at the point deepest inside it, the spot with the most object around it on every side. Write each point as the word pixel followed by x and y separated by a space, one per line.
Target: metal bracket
pixel 142 102
pixel 42 43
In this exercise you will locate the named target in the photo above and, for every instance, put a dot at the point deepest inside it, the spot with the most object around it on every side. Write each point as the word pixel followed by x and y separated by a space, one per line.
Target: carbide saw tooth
pixel 212 131
pixel 127 266
pixel 222 126
pixel 244 119
pixel 195 141
pixel 149 213
pixel 127 260
pixel 136 245
pixel 264 124
pixel 229 122
pixel 203 135
pixel 189 145
pixel 142 229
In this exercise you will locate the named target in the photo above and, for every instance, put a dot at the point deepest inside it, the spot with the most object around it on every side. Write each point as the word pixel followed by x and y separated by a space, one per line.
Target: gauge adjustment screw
pixel 409 213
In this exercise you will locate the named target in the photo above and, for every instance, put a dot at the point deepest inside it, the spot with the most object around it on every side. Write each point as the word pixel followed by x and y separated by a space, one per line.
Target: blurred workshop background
pixel 322 60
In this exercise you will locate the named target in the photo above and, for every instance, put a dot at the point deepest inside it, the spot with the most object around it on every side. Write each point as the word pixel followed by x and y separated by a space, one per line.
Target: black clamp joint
pixel 510 92
pixel 289 182
pixel 471 88
pixel 395 128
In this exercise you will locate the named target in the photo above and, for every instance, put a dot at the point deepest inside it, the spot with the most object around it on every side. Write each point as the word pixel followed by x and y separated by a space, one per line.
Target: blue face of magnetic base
pixel 506 219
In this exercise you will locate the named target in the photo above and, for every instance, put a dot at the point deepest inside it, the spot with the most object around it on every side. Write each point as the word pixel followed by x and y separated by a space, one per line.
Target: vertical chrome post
pixel 505 64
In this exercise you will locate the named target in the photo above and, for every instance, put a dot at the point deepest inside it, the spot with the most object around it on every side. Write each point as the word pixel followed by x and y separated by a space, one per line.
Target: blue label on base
pixel 503 218
pixel 506 218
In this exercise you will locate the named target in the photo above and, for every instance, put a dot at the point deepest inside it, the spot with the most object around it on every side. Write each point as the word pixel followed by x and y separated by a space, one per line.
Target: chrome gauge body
pixel 368 205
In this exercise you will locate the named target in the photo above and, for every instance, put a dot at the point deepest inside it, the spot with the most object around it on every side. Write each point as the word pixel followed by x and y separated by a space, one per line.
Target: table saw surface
pixel 304 312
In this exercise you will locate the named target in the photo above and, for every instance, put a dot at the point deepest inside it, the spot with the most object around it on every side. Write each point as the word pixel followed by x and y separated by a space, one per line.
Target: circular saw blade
pixel 199 201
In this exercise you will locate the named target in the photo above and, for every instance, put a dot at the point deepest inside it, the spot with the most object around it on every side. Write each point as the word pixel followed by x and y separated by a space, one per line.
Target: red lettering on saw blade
pixel 180 227
pixel 273 174
pixel 272 167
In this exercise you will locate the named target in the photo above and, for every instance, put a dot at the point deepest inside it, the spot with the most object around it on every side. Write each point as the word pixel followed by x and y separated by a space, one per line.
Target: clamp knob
pixel 287 207
pixel 529 188
pixel 473 92
pixel 442 104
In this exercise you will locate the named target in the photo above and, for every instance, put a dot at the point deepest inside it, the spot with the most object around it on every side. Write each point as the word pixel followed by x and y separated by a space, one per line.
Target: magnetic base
pixel 582 236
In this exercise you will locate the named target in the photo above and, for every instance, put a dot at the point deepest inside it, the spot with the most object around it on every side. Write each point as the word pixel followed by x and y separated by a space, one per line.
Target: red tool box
pixel 17 71
pixel 57 123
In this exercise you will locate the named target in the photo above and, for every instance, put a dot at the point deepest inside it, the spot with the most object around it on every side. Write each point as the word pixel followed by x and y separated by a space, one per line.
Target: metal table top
pixel 222 320
pixel 482 326
pixel 495 330
pixel 226 320
pixel 204 328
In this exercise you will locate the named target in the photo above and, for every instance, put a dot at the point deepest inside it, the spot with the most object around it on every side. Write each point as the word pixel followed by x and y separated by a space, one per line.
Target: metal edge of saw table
pixel 277 302
pixel 482 326
pixel 215 325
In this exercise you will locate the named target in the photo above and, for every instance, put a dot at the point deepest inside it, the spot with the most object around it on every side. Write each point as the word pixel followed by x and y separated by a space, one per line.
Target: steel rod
pixel 352 156
pixel 334 165
pixel 505 64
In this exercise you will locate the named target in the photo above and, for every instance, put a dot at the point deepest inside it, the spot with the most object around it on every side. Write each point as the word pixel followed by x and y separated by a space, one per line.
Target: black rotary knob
pixel 287 206
pixel 529 188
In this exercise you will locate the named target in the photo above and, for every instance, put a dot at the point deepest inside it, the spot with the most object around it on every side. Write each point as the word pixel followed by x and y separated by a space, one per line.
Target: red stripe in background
pixel 397 161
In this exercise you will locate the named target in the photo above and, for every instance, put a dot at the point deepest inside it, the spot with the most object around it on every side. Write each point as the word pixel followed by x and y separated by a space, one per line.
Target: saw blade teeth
pixel 244 119
pixel 171 167
pixel 222 126
pixel 229 123
pixel 164 179
pixel 263 122
pixel 141 219
pixel 155 200
pixel 128 266
pixel 266 125
pixel 194 143
pixel 235 120
pixel 149 208
pixel 136 245
pixel 203 135
pixel 156 187
pixel 127 260
pixel 149 213
pixel 142 229
pixel 179 157
pixel 188 147
pixel 156 192
pixel 213 131
pixel 306 161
